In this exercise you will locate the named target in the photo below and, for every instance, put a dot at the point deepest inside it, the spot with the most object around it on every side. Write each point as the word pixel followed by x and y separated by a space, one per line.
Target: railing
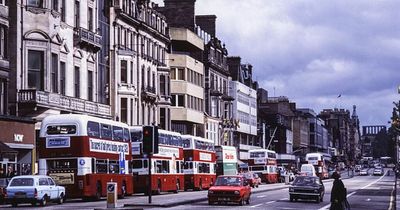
pixel 149 89
pixel 89 37
pixel 63 102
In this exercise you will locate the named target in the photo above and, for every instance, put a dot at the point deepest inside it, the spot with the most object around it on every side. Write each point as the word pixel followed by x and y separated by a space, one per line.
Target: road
pixel 364 192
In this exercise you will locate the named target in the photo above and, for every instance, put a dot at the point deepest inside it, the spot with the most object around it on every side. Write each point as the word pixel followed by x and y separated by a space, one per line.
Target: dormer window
pixel 35 3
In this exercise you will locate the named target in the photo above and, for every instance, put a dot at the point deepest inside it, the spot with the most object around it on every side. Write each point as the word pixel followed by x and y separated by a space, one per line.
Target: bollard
pixel 112 194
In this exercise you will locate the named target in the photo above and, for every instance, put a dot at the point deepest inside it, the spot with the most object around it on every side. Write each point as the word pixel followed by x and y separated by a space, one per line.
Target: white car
pixel 33 189
pixel 364 172
pixel 378 171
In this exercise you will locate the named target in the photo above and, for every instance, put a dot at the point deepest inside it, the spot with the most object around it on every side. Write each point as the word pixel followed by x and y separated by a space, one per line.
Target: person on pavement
pixel 338 193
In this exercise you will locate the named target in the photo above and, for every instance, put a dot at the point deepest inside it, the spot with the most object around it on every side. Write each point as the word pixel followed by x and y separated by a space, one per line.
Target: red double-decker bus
pixel 167 164
pixel 83 153
pixel 199 166
pixel 263 162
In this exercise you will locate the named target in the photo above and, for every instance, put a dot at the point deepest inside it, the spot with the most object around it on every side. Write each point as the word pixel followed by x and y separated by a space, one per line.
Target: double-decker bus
pixel 321 162
pixel 199 165
pixel 227 162
pixel 166 171
pixel 263 162
pixel 83 153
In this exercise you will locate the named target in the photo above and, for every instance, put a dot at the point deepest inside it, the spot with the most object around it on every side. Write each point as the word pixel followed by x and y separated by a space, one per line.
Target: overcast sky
pixel 314 51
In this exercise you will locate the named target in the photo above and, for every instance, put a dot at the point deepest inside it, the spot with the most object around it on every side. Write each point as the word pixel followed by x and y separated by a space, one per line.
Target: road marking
pixel 327 206
pixel 269 202
pixel 256 205
pixel 284 199
pixel 368 199
pixel 392 198
pixel 261 196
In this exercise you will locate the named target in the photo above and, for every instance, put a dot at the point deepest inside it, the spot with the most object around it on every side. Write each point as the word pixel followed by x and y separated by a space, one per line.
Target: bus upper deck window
pixel 61 129
pixel 93 129
pixel 106 131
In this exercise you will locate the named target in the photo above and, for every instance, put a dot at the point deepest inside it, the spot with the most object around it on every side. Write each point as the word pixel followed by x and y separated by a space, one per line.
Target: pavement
pixel 397 193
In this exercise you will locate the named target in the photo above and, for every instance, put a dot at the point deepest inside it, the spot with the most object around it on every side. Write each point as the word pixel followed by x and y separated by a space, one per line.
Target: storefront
pixel 17 142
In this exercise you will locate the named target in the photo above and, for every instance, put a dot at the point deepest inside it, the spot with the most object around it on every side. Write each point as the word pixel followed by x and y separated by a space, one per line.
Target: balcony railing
pixel 88 38
pixel 149 93
pixel 67 103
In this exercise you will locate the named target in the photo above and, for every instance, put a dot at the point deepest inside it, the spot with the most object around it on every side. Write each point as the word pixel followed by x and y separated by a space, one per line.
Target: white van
pixel 308 170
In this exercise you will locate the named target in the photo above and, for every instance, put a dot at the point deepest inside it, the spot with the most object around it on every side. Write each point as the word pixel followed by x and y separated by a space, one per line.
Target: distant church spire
pixel 354 115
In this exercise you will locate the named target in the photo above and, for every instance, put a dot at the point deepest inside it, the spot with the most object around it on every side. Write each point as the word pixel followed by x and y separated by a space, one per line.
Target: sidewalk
pixel 397 193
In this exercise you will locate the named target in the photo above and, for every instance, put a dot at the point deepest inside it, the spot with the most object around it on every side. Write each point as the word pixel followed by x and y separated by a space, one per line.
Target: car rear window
pixel 21 182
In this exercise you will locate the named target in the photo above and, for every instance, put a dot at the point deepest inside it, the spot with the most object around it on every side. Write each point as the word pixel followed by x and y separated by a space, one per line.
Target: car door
pixel 54 188
pixel 44 187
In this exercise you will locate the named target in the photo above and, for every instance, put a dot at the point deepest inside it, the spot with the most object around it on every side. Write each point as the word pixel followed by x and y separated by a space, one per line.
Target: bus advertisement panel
pixel 166 171
pixel 83 153
pixel 263 162
pixel 227 162
pixel 199 165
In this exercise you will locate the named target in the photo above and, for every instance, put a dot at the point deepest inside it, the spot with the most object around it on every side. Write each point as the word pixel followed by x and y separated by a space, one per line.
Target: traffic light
pixel 150 139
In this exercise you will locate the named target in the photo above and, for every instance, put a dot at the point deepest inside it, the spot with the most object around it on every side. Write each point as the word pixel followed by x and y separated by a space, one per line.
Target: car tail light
pixel 35 193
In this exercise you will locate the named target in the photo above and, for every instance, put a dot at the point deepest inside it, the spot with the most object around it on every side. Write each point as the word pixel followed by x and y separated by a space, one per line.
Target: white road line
pixel 269 202
pixel 256 205
pixel 261 196
pixel 284 199
pixel 392 198
pixel 369 199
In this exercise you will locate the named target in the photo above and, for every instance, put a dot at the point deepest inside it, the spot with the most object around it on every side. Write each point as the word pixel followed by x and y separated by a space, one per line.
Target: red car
pixel 229 189
pixel 252 179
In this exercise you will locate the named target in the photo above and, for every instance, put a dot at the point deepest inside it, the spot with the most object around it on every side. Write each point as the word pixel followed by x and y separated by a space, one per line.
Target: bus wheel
pixel 98 191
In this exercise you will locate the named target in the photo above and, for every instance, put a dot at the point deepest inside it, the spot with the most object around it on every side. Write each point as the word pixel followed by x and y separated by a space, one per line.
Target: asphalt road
pixel 364 192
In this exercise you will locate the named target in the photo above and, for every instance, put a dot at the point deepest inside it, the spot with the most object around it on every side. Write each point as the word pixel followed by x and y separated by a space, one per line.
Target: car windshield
pixel 305 181
pixel 228 181
pixel 21 182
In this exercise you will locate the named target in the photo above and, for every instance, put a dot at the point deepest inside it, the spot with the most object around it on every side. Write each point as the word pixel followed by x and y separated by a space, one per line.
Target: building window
pixel 162 85
pixel 181 74
pixel 63 10
pixel 35 3
pixel 35 69
pixel 2 97
pixel 124 71
pixel 54 5
pixel 173 73
pixel 181 100
pixel 90 19
pixel 77 82
pixel 90 85
pixel 3 41
pixel 124 110
pixel 54 73
pixel 77 14
pixel 62 78
pixel 132 73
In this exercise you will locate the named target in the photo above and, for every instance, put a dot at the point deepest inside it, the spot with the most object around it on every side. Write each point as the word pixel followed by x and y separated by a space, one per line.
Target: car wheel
pixel 43 202
pixel 241 202
pixel 61 199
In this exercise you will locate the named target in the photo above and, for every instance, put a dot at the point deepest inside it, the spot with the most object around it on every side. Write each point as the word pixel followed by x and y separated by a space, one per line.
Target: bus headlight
pixel 237 192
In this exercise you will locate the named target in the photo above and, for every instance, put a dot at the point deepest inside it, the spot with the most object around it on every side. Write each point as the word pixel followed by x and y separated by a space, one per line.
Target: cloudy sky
pixel 314 51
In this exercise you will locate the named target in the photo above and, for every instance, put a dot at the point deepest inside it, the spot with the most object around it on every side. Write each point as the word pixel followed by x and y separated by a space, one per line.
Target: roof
pixel 4 148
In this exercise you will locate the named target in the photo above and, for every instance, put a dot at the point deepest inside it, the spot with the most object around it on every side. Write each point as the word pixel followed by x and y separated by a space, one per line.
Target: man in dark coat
pixel 338 193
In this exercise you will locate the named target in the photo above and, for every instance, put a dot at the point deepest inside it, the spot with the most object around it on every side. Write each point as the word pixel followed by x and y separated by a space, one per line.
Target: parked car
pixel 249 177
pixel 307 187
pixel 3 186
pixel 229 189
pixel 33 189
pixel 378 171
pixel 364 172
pixel 357 168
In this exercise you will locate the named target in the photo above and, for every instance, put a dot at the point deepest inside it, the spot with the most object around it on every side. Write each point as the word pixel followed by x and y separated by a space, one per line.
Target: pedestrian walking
pixel 338 194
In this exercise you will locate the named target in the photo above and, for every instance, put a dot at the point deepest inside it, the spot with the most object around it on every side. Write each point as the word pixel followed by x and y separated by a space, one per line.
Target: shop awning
pixel 4 148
